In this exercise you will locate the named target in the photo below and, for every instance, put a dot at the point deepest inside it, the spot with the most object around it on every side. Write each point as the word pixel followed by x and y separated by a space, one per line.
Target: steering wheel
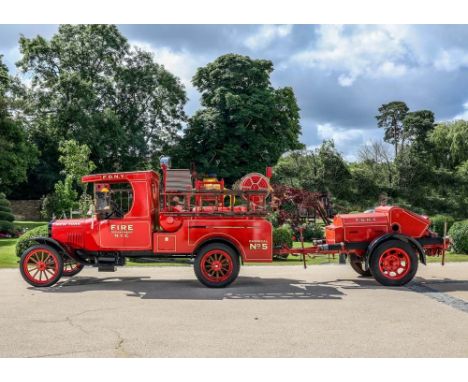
pixel 116 211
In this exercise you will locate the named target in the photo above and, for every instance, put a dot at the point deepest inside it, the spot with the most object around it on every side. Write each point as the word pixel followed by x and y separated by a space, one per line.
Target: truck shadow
pixel 244 288
pixel 253 288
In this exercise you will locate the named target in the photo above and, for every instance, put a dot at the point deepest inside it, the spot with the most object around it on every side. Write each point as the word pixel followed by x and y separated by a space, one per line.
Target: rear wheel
pixel 394 263
pixel 359 265
pixel 41 266
pixel 217 265
pixel 71 267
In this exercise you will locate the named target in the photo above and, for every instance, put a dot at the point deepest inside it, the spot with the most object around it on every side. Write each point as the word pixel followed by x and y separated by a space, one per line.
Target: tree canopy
pixel 89 85
pixel 244 124
pixel 17 154
pixel 390 118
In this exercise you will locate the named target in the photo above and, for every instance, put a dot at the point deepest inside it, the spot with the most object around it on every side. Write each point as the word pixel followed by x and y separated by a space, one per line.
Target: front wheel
pixel 216 265
pixel 41 266
pixel 71 267
pixel 394 263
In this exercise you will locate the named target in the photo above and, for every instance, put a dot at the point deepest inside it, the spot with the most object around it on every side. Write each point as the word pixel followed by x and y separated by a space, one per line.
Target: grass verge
pixel 8 258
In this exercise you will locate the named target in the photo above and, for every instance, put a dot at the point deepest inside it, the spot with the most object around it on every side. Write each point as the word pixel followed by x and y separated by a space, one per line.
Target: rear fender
pixel 395 236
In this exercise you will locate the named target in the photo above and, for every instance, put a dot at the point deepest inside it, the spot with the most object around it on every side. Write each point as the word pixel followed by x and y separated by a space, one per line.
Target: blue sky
pixel 340 74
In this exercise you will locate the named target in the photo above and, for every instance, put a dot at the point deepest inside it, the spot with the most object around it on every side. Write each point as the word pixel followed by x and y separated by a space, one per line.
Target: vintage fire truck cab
pixel 134 218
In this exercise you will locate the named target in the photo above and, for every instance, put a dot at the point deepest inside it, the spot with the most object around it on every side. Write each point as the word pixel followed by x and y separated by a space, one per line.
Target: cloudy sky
pixel 340 74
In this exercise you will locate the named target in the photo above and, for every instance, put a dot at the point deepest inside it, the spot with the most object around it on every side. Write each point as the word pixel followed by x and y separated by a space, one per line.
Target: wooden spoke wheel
pixel 71 267
pixel 217 265
pixel 41 266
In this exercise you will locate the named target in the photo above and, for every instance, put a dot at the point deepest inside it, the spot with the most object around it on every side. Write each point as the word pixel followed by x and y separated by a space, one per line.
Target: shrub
pixel 272 217
pixel 437 223
pixel 459 234
pixel 6 217
pixel 6 227
pixel 23 242
pixel 312 231
pixel 283 236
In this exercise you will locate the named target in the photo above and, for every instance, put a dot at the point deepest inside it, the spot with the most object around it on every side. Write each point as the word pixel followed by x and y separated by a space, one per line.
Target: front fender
pixel 389 236
pixel 56 245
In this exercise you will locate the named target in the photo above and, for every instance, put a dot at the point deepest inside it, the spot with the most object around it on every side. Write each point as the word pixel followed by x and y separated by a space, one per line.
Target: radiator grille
pixel 75 239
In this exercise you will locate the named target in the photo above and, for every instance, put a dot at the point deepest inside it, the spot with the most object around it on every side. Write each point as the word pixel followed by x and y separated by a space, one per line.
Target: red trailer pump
pixel 216 229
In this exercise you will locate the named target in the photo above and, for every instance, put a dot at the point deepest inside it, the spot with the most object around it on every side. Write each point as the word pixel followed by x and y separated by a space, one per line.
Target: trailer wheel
pixel 359 265
pixel 216 265
pixel 394 263
pixel 71 267
pixel 41 266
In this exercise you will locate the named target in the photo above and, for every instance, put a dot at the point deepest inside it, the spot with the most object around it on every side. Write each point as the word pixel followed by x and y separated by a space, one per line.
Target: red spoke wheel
pixel 41 266
pixel 394 263
pixel 217 265
pixel 71 267
pixel 359 265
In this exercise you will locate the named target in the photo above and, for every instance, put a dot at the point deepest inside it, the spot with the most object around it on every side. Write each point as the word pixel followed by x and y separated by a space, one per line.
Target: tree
pixel 377 159
pixel 16 153
pixel 321 170
pixel 244 124
pixel 6 217
pixel 89 85
pixel 75 160
pixel 416 127
pixel 450 140
pixel 390 118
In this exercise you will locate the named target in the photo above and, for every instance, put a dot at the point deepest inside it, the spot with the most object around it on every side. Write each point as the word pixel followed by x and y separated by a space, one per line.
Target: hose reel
pixel 254 182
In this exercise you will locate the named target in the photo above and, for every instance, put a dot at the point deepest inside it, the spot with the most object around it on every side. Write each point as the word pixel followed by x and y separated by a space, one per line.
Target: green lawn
pixel 8 258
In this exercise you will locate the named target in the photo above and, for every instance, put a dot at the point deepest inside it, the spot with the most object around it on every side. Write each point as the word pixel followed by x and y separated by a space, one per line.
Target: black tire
pixel 71 267
pixel 358 264
pixel 37 257
pixel 395 252
pixel 229 265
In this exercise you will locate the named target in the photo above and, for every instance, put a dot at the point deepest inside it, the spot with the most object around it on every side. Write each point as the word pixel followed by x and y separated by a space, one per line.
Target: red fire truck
pixel 139 216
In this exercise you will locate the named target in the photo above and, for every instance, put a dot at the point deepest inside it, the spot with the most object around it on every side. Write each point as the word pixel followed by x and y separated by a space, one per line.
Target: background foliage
pixel 88 101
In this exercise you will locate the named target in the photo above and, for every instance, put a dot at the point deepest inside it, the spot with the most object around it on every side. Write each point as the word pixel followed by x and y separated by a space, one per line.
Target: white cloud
pixel 347 140
pixel 355 51
pixel 266 35
pixel 463 114
pixel 182 64
pixel 451 59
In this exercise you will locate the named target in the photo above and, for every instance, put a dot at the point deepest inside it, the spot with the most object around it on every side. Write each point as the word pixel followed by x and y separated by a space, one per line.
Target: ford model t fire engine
pixel 140 216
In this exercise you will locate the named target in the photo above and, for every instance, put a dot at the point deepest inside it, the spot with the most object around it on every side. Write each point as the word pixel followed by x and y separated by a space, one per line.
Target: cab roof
pixel 116 177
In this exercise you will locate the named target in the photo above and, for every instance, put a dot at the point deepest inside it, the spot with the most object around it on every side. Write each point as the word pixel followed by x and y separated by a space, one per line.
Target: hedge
pixel 6 217
pixel 459 234
pixel 437 223
pixel 6 227
pixel 23 241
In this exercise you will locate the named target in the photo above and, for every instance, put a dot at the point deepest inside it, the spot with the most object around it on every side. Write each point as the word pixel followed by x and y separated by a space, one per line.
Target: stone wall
pixel 26 209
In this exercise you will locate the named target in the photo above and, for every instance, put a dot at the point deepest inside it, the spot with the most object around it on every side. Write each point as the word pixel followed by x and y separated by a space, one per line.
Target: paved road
pixel 271 311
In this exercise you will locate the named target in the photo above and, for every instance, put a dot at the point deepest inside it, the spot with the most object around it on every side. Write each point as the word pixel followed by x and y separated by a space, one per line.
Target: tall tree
pixel 416 127
pixel 390 118
pixel 244 123
pixel 16 153
pixel 89 85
